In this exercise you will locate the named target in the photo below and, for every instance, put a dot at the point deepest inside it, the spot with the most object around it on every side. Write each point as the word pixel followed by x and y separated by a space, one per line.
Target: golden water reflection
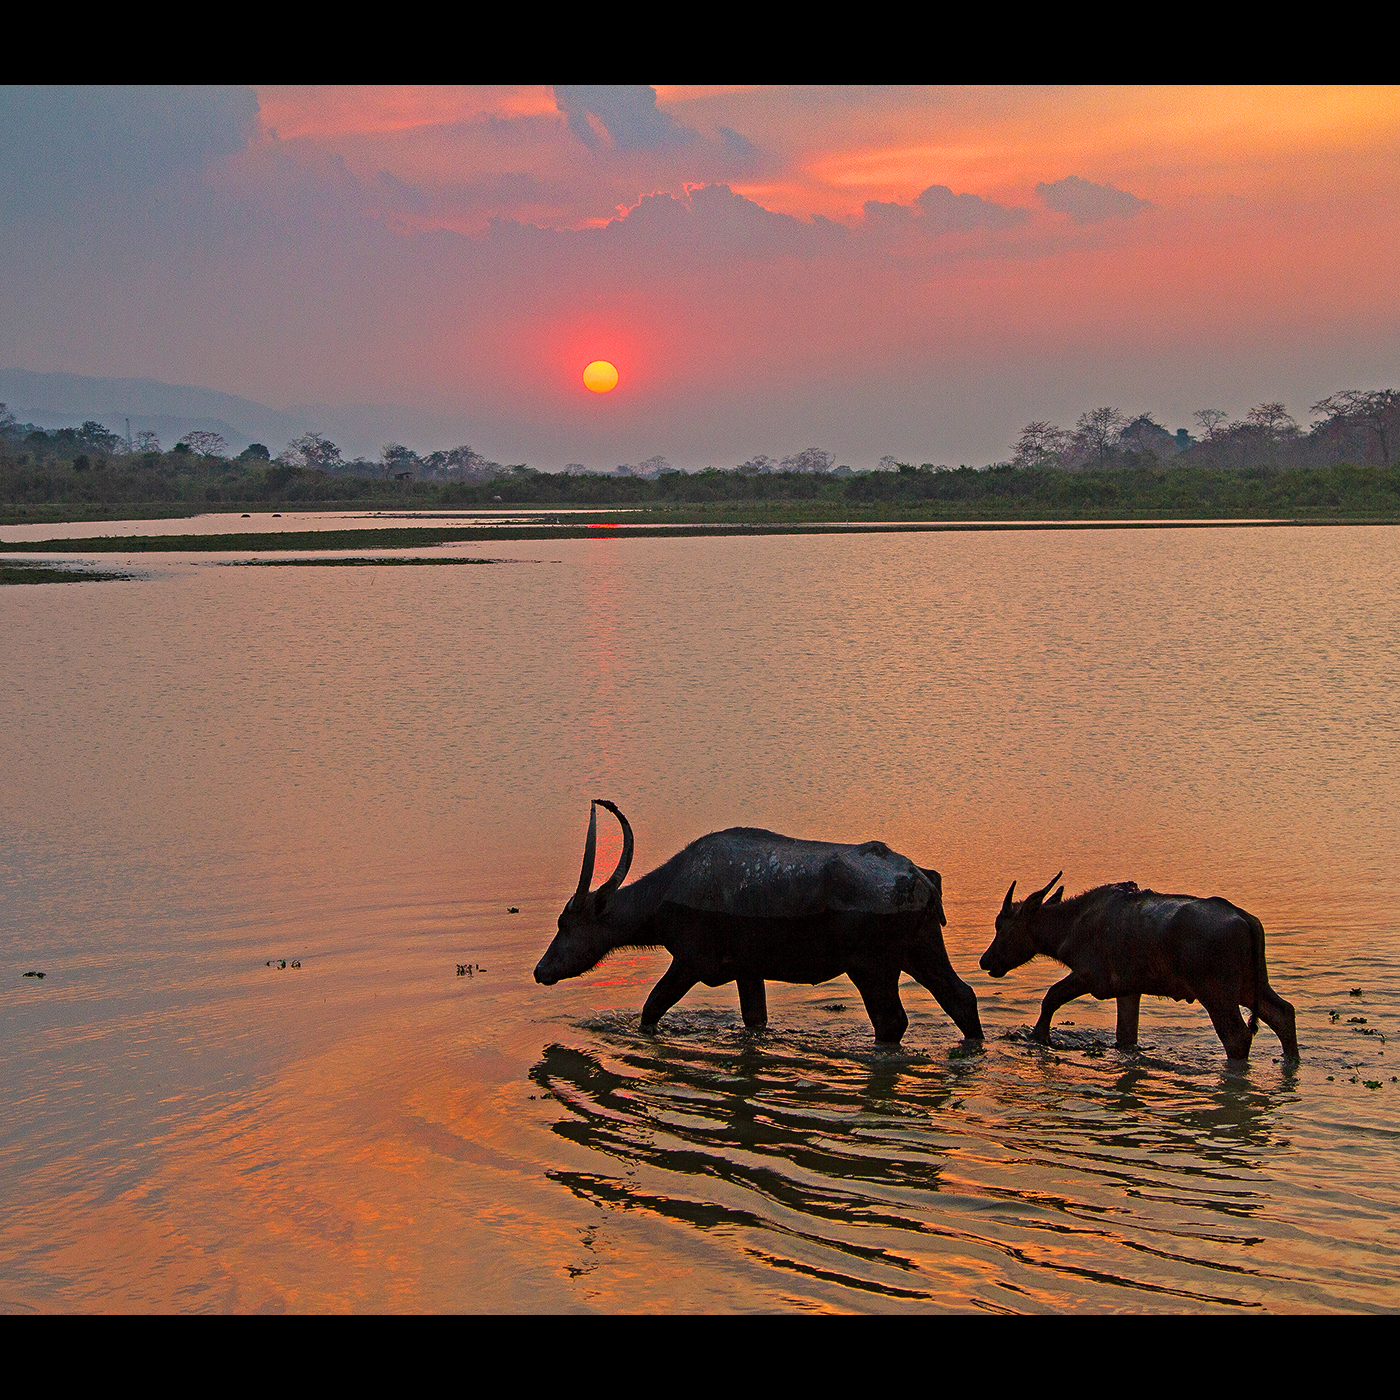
pixel 216 768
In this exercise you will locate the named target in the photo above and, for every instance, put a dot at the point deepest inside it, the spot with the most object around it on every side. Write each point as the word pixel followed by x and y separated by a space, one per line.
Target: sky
pixel 906 271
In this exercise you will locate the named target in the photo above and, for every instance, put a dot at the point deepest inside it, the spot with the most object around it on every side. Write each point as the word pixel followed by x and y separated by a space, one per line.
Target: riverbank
pixel 430 537
pixel 178 486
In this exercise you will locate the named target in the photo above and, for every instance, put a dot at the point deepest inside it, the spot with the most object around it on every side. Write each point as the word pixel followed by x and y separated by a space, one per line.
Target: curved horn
pixel 624 863
pixel 590 852
pixel 1006 903
pixel 1033 900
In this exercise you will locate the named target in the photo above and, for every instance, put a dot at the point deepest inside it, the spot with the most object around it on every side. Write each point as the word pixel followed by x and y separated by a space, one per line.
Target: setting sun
pixel 600 376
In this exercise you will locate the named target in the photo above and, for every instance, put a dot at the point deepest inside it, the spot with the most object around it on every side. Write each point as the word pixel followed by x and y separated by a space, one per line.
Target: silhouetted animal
pixel 746 905
pixel 1120 941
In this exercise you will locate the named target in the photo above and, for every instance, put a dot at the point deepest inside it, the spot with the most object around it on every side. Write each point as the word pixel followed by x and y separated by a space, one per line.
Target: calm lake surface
pixel 364 768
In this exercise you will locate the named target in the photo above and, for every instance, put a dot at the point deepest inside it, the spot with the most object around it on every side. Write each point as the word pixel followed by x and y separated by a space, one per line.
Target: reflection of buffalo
pixel 1120 941
pixel 878 1176
pixel 746 905
pixel 776 1125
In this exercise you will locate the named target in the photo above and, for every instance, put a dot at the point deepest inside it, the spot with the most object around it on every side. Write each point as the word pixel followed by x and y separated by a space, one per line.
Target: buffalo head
pixel 584 938
pixel 1014 943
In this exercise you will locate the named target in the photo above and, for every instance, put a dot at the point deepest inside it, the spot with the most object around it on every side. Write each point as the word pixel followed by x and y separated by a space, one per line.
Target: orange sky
pixel 834 151
pixel 757 261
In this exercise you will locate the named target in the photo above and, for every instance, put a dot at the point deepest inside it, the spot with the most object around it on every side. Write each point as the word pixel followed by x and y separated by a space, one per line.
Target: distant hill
pixel 172 410
pixel 169 410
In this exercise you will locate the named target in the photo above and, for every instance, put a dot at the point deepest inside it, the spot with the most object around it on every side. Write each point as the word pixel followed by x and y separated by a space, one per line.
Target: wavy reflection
pixel 958 1180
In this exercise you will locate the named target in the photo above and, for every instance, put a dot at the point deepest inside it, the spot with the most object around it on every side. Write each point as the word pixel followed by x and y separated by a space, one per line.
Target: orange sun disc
pixel 600 376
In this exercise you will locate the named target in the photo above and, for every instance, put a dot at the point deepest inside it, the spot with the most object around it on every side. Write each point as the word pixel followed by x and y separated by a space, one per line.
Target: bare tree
pixel 1273 420
pixel 206 444
pixel 1210 420
pixel 7 419
pixel 311 450
pixel 1040 444
pixel 146 442
pixel 1375 410
pixel 810 459
pixel 1097 432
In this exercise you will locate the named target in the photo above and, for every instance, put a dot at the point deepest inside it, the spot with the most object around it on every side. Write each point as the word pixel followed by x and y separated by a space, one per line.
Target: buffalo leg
pixel 674 984
pixel 880 993
pixel 1230 1027
pixel 1128 1008
pixel 753 1002
pixel 927 961
pixel 1278 1015
pixel 1065 990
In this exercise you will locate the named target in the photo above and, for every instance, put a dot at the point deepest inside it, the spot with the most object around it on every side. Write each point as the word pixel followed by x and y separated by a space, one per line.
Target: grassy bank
pixel 180 484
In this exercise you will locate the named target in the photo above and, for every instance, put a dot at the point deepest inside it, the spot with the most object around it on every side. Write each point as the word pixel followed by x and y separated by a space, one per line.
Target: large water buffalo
pixel 1120 941
pixel 746 906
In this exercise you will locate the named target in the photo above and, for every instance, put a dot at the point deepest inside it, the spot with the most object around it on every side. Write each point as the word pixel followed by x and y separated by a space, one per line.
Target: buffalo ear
pixel 1057 896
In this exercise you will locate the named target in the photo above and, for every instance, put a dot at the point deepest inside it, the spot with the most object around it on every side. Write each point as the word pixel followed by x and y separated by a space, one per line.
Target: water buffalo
pixel 746 905
pixel 1120 941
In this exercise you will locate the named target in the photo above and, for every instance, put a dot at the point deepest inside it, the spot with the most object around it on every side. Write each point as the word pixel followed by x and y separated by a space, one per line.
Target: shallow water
pixel 362 769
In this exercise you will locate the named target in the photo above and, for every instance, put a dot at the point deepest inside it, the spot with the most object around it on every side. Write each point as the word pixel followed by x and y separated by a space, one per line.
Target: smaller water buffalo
pixel 745 905
pixel 1120 941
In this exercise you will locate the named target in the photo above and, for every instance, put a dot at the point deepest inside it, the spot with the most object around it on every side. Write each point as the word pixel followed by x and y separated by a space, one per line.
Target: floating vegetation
pixel 469 969
pixel 280 963
pixel 50 573
pixel 36 974
pixel 832 1006
pixel 1372 1083
pixel 512 910
pixel 1334 1016
pixel 1355 992
pixel 1356 1020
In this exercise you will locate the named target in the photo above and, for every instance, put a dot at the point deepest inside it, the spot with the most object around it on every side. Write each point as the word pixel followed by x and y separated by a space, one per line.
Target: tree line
pixel 1108 467
pixel 1351 425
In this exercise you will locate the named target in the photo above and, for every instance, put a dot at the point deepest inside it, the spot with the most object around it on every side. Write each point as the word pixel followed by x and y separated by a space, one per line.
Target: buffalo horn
pixel 624 863
pixel 1006 903
pixel 1033 900
pixel 590 852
